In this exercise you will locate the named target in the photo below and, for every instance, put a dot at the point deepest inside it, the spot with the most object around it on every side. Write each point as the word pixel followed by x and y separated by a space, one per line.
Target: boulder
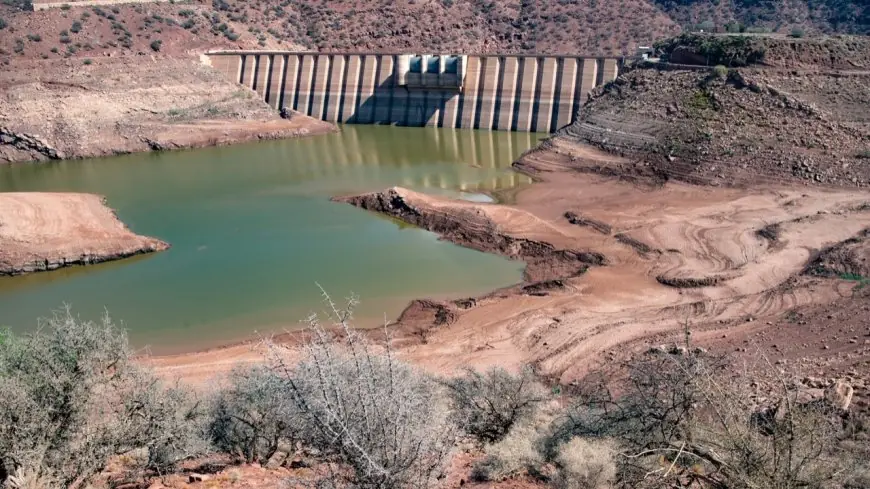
pixel 276 460
pixel 840 395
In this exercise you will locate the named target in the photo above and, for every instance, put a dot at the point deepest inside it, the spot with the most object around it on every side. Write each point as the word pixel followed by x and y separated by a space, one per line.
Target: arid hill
pixel 553 26
pixel 463 25
pixel 786 111
pixel 777 15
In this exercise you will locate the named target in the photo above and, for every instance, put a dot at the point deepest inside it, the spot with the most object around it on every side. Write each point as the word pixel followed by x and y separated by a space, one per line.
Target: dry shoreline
pixel 47 110
pixel 674 252
pixel 46 231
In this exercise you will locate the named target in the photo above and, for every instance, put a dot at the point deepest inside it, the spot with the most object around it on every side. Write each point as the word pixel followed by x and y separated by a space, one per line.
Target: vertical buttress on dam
pixel 506 93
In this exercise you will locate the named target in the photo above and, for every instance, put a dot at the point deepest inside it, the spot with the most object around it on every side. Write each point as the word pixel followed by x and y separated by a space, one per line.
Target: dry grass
pixel 586 464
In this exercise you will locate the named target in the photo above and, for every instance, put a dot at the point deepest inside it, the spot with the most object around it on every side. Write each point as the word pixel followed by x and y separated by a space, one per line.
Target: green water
pixel 252 231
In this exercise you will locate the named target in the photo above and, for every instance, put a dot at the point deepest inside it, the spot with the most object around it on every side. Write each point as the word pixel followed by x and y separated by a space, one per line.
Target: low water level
pixel 252 231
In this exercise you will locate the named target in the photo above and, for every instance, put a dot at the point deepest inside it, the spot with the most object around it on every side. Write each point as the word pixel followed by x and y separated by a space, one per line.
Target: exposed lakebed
pixel 253 230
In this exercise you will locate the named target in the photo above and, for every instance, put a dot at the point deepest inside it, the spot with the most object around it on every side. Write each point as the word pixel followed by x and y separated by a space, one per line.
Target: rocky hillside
pixel 551 26
pixel 739 125
pixel 826 16
pixel 435 25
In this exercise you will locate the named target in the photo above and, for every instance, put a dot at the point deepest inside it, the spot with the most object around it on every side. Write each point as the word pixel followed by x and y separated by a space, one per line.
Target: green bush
pixel 156 44
pixel 3 23
pixel 797 33
pixel 87 61
pixel 34 37
pixel 76 27
pixel 719 71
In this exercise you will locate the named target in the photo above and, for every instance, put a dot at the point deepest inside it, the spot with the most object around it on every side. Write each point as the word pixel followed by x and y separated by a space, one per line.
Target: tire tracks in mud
pixel 724 256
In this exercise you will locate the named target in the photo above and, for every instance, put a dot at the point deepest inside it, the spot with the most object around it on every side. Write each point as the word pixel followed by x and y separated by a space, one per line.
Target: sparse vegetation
pixel 487 405
pixel 678 417
pixel 377 415
pixel 252 417
pixel 729 51
pixel 76 27
pixel 586 464
pixel 71 397
pixel 3 23
pixel 156 44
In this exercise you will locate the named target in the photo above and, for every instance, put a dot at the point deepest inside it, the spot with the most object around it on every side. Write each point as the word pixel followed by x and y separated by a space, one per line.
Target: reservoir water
pixel 253 231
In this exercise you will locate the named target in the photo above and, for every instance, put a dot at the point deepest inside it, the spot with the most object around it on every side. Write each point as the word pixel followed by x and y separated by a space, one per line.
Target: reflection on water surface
pixel 252 229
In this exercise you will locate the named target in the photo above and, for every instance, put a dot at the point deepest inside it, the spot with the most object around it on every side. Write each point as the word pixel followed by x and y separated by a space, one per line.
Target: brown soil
pixel 566 322
pixel 219 472
pixel 753 126
pixel 47 110
pixel 46 231
pixel 715 266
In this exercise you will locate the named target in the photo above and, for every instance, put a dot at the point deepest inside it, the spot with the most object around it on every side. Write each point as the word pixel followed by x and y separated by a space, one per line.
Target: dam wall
pixel 507 93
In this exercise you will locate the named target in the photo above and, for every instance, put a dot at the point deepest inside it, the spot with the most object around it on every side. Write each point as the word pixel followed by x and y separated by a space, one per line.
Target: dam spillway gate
pixel 509 93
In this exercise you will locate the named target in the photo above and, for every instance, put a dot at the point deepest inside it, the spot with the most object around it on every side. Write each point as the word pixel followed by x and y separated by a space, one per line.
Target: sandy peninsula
pixel 45 231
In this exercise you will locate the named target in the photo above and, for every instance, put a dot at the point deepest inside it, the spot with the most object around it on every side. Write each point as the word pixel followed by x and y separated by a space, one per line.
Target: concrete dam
pixel 508 93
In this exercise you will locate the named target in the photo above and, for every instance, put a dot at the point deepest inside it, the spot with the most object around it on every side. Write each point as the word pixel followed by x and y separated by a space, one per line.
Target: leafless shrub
pixel 366 409
pixel 586 464
pixel 684 421
pixel 71 398
pixel 487 405
pixel 253 415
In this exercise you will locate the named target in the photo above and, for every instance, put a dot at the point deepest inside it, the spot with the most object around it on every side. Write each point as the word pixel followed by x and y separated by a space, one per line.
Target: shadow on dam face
pixel 508 93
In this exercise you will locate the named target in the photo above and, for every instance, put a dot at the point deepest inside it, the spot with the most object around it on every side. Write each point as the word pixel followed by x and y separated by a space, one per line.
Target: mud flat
pixel 589 296
pixel 46 231
pixel 710 265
